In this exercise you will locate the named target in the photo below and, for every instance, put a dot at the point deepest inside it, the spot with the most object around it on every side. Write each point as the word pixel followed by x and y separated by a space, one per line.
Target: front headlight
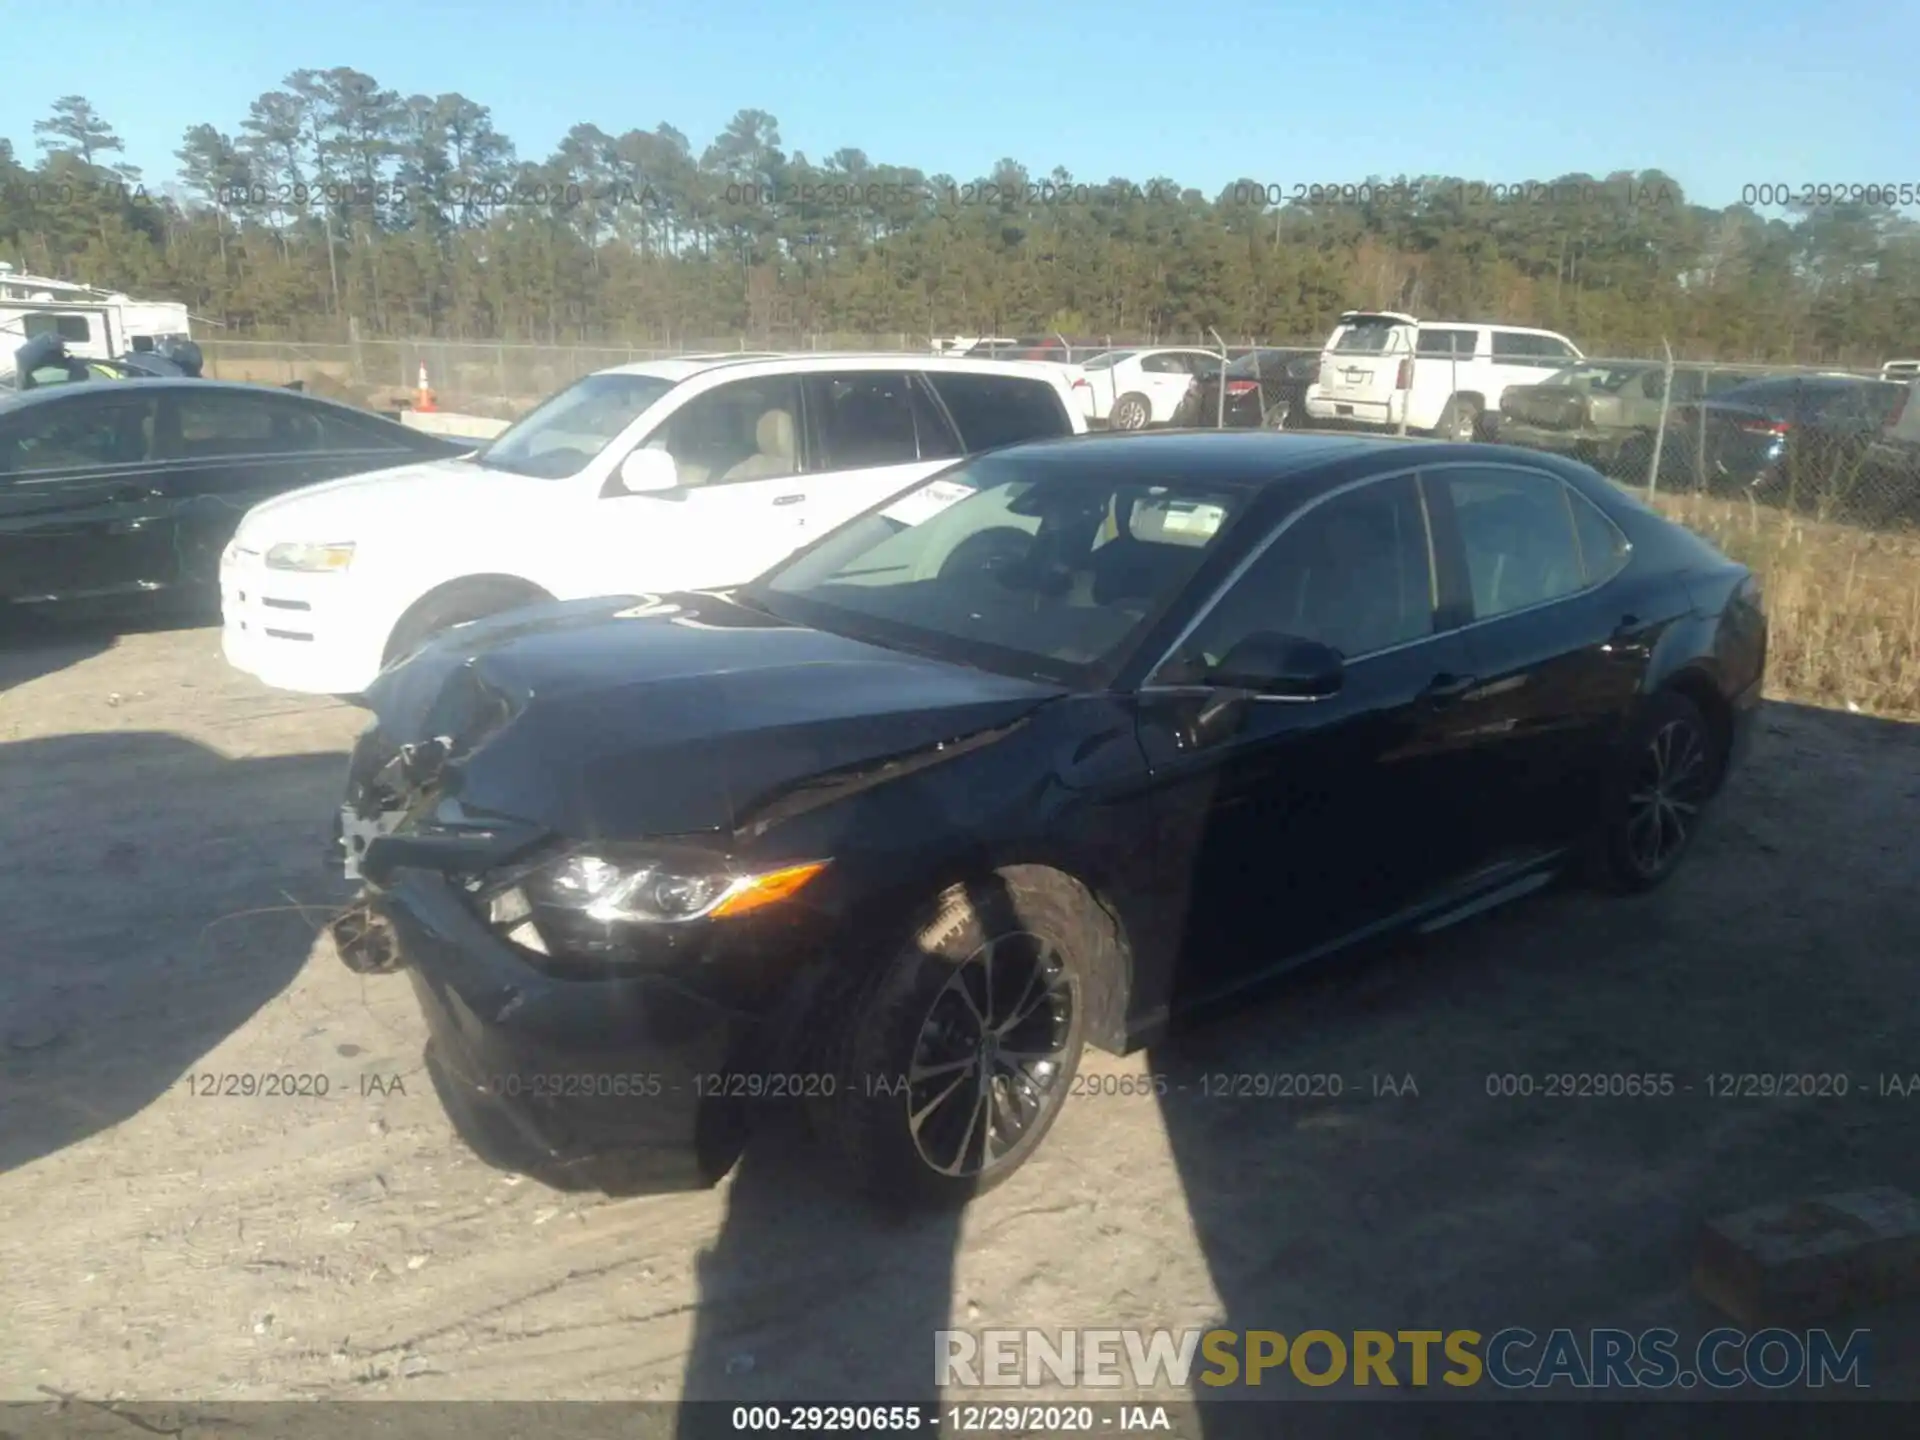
pixel 313 559
pixel 592 901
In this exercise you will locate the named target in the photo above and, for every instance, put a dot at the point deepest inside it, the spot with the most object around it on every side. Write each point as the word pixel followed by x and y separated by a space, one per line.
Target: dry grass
pixel 1843 601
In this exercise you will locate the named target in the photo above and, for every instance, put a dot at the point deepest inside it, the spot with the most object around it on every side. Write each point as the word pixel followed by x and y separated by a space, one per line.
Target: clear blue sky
pixel 1717 93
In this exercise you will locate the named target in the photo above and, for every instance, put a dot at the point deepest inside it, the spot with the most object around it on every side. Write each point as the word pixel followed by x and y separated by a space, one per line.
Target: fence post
pixel 1220 421
pixel 1700 432
pixel 1660 432
pixel 1413 374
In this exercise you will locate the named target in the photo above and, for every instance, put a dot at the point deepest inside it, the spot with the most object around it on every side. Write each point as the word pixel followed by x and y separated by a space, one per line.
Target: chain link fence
pixel 504 380
pixel 1784 468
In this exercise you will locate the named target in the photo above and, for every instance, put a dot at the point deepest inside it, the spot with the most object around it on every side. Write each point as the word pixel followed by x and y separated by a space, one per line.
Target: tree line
pixel 339 205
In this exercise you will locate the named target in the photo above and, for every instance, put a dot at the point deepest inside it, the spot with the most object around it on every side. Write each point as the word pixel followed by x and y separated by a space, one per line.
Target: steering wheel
pixel 987 551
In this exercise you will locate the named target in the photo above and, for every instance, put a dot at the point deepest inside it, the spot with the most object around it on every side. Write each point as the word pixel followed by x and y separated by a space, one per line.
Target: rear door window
pixel 1445 344
pixel 1518 533
pixel 216 424
pixel 996 410
pixel 862 419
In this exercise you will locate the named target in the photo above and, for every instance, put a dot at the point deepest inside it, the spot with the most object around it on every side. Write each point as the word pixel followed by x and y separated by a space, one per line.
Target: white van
pixel 1445 377
pixel 666 475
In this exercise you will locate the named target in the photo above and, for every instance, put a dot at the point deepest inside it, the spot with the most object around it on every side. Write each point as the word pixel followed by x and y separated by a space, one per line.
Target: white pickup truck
pixel 1443 377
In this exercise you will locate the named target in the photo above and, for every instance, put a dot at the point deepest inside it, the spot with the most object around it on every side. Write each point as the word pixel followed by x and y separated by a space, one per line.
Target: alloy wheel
pixel 989 1061
pixel 1670 785
pixel 1130 415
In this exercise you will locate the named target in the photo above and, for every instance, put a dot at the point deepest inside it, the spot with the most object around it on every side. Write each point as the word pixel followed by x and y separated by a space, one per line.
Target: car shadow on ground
pixel 116 978
pixel 33 644
pixel 1375 1174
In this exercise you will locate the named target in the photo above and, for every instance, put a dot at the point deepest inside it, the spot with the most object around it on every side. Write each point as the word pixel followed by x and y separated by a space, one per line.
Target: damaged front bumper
pixel 621 1081
pixel 607 1084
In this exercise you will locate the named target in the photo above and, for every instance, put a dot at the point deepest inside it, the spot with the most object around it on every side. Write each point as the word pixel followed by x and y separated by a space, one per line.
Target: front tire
pixel 955 1057
pixel 1656 795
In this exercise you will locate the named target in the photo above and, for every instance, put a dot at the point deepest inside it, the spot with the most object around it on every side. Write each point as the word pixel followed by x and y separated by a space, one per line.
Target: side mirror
pixel 648 472
pixel 1281 667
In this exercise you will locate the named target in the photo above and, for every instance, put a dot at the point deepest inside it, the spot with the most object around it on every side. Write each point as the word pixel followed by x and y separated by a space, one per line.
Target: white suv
pixel 1446 377
pixel 666 475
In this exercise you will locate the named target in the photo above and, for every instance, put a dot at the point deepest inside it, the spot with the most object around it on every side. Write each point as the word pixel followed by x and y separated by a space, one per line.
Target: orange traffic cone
pixel 424 401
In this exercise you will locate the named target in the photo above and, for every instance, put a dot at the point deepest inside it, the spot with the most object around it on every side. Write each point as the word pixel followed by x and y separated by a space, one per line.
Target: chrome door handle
pixel 789 499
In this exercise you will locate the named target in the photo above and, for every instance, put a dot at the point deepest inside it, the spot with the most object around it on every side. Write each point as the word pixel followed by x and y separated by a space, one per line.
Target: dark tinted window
pixel 67 327
pixel 996 410
pixel 1518 532
pixel 110 429
pixel 862 418
pixel 1603 548
pixel 1352 573
pixel 1509 345
pixel 216 423
pixel 1266 364
pixel 1784 397
pixel 1447 342
pixel 1872 403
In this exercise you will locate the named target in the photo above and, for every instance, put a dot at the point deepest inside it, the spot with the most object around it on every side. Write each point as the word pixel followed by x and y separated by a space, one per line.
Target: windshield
pixel 1108 360
pixel 1606 378
pixel 1262 363
pixel 1012 563
pixel 562 435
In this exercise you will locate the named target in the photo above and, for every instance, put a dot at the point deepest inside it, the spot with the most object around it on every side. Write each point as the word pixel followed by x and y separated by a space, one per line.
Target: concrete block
pixel 1788 1264
pixel 463 427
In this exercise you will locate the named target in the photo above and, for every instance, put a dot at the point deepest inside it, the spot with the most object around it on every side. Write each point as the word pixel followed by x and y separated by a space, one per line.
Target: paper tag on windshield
pixel 926 502
pixel 1193 520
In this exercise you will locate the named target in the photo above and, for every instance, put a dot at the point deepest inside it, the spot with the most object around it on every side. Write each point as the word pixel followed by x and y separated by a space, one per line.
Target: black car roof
pixel 15 400
pixel 1244 459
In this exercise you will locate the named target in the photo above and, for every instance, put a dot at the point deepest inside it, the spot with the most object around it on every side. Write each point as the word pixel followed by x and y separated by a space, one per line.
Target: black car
pixel 1071 740
pixel 1266 389
pixel 1800 440
pixel 114 491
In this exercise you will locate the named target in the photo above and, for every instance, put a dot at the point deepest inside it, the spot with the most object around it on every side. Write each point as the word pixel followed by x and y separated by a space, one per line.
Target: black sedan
pixel 1266 389
pixel 110 492
pixel 1065 743
pixel 1799 440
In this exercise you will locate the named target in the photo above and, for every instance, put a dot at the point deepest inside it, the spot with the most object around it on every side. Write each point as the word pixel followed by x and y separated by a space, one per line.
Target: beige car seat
pixel 773 437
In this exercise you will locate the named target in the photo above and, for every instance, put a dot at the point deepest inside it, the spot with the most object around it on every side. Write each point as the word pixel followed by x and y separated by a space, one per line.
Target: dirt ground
pixel 162 822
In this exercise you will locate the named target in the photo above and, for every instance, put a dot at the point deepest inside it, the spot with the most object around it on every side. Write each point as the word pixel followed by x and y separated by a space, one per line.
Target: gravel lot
pixel 162 821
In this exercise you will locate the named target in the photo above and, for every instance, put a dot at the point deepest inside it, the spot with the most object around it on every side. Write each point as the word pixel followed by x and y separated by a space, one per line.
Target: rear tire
pixel 1655 795
pixel 1459 420
pixel 967 1036
pixel 1132 411
pixel 456 605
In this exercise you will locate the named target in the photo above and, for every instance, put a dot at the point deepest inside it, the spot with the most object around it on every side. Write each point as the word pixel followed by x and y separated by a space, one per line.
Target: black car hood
pixel 638 716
